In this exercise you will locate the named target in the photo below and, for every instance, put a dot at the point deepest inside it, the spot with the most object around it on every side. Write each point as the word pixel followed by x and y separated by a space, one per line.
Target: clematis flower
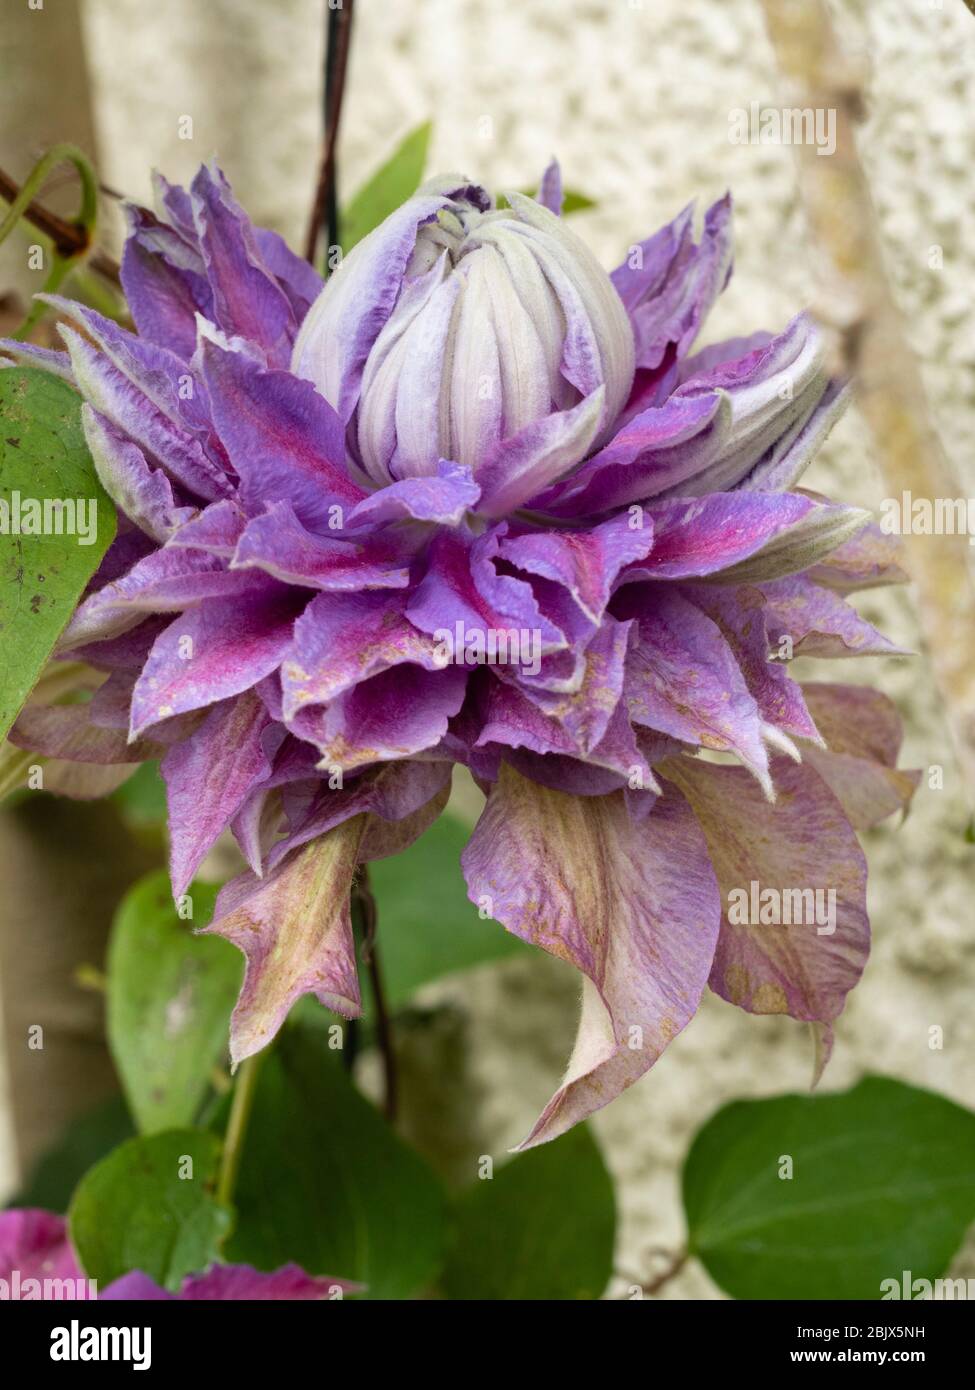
pixel 477 502
pixel 37 1261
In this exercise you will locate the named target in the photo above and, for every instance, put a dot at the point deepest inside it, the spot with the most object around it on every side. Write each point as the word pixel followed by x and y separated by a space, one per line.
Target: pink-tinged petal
pixel 217 529
pixel 820 622
pixel 219 649
pixel 669 288
pixel 136 1287
pixel 66 731
pixel 704 535
pixel 862 730
pixel 247 301
pixel 585 713
pixel 143 493
pixel 868 560
pixel 740 616
pixel 280 545
pixel 396 714
pixel 357 301
pixel 810 539
pixel 527 463
pixel 208 778
pixel 399 800
pixel 35 1243
pixel 342 639
pixel 543 746
pixel 295 930
pixel 178 452
pixel 550 189
pixel 283 438
pixel 634 464
pixel 166 581
pixel 290 1282
pixel 462 584
pixel 803 844
pixel 445 499
pixel 683 679
pixel 586 563
pixel 634 907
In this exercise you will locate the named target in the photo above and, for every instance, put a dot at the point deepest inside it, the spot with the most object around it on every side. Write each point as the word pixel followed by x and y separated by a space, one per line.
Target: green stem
pixel 84 223
pixel 245 1088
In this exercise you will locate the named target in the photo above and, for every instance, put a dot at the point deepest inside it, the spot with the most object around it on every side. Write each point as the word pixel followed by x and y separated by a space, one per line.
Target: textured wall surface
pixel 635 99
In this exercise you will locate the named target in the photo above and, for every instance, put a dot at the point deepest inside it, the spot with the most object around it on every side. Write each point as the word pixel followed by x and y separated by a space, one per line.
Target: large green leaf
pixel 149 1206
pixel 170 994
pixel 882 1180
pixel 325 1182
pixel 427 925
pixel 542 1227
pixel 391 185
pixel 43 456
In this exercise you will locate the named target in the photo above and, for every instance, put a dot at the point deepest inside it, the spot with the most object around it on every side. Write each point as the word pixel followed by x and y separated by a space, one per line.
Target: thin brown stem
pixel 340 35
pixel 673 1267
pixel 69 238
pixel 370 957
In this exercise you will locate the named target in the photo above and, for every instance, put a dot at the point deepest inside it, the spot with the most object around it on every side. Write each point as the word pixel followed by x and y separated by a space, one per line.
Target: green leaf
pixel 143 796
pixel 427 925
pixel 324 1181
pixel 572 200
pixel 883 1180
pixel 390 186
pixel 134 1210
pixel 542 1227
pixel 170 994
pixel 43 455
pixel 61 1167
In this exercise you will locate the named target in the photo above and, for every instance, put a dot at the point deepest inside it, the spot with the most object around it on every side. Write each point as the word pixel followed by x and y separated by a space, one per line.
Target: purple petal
pixel 219 649
pixel 862 730
pixel 283 438
pixel 35 1243
pixel 208 778
pixel 143 493
pixel 586 563
pixel 66 731
pixel 528 462
pixel 176 451
pixel 671 289
pixel 290 1282
pixel 295 930
pixel 820 622
pixel 164 282
pixel 698 536
pixel 400 712
pixel 550 189
pixel 280 545
pixel 683 679
pixel 634 907
pixel 445 499
pixel 801 844
pixel 247 301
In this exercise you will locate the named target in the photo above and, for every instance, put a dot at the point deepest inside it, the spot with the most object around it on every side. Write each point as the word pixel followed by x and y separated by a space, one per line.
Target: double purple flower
pixel 477 502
